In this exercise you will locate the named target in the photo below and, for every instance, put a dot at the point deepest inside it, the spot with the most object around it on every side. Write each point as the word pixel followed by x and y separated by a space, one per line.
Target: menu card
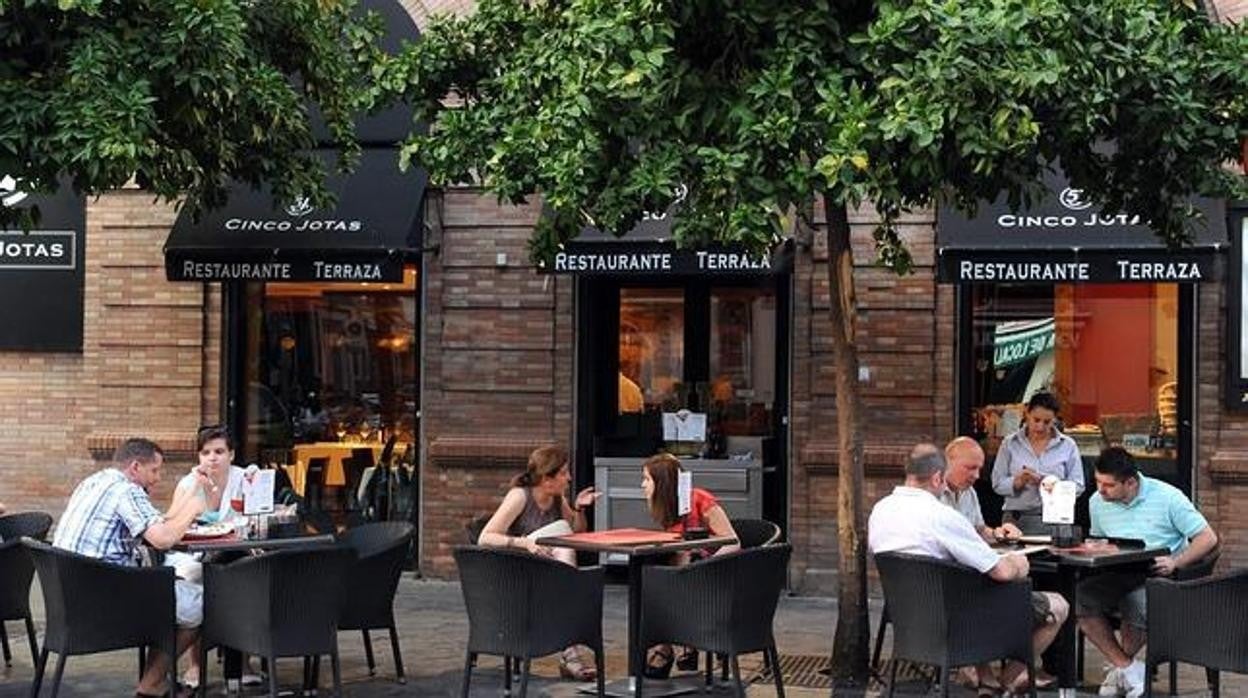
pixel 684 426
pixel 258 491
pixel 684 492
pixel 1058 500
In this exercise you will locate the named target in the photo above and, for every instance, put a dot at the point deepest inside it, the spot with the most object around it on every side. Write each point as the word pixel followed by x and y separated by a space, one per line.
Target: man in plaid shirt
pixel 110 513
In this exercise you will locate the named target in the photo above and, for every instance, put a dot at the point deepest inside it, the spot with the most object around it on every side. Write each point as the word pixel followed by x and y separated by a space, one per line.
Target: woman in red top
pixel 659 476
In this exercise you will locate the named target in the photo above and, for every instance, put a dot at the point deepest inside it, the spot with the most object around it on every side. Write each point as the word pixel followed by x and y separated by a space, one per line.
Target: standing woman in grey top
pixel 1028 455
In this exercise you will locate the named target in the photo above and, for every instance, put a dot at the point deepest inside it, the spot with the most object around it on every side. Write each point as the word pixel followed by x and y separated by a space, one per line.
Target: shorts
pixel 1114 594
pixel 189 603
pixel 1041 612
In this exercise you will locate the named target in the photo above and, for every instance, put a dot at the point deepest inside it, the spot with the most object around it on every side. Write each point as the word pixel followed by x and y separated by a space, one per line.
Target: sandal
pixel 659 663
pixel 688 659
pixel 573 668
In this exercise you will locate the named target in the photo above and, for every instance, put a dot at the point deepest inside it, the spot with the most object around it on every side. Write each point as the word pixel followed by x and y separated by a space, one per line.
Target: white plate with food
pixel 213 530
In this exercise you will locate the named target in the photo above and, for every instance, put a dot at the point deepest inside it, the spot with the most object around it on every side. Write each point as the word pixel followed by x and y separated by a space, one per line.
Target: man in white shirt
pixel 912 520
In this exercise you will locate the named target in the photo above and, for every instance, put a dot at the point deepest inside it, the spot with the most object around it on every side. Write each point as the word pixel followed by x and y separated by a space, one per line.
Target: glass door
pixel 327 392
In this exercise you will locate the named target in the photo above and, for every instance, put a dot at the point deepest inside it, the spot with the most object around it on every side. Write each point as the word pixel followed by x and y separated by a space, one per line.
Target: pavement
pixel 432 632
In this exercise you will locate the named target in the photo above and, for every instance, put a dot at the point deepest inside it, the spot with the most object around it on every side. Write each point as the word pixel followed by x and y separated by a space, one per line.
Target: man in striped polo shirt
pixel 1129 505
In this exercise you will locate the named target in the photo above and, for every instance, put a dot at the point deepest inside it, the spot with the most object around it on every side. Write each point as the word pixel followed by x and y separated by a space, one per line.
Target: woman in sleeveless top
pixel 537 502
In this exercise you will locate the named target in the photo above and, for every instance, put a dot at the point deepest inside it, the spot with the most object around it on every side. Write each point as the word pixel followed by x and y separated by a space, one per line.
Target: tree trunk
pixel 849 648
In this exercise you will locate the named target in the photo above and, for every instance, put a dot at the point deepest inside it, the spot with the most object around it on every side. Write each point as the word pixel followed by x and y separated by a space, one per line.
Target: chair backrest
pixel 945 611
pixel 1200 621
pixel 284 603
pixel 473 529
pixel 362 458
pixel 316 470
pixel 724 603
pixel 17 572
pixel 523 605
pixel 387 451
pixel 29 524
pixel 382 549
pixel 93 606
pixel 755 533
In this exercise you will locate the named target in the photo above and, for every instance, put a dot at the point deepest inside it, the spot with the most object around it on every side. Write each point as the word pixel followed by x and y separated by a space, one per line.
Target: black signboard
pixel 41 272
pixel 1236 393
pixel 367 236
pixel 1047 266
pixel 1066 239
pixel 653 258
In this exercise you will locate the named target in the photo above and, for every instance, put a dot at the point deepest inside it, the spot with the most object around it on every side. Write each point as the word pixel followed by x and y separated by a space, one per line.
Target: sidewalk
pixel 432 630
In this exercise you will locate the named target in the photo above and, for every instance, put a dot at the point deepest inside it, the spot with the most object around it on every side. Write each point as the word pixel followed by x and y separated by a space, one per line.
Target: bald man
pixel 965 459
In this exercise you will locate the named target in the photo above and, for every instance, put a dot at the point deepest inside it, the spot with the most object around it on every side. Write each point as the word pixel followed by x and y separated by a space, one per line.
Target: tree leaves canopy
pixel 606 107
pixel 181 95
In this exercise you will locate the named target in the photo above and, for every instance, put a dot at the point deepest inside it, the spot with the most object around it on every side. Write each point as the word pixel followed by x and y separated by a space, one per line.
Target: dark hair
pixel 142 450
pixel 544 462
pixel 213 432
pixel 1046 400
pixel 925 459
pixel 664 469
pixel 1116 461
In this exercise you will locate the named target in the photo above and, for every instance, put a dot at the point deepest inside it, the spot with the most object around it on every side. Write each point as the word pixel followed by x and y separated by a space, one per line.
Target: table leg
pixel 232 668
pixel 636 653
pixel 1065 643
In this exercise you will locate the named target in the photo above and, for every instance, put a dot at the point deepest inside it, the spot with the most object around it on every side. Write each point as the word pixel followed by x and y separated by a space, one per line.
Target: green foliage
pixel 605 107
pixel 181 95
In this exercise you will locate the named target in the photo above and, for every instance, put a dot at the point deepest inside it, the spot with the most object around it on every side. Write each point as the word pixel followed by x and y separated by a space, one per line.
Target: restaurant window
pixel 651 349
pixel 1110 353
pixel 330 386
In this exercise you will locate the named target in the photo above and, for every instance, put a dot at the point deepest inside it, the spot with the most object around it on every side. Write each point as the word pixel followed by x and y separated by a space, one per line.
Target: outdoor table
pixel 641 546
pixel 232 660
pixel 1071 564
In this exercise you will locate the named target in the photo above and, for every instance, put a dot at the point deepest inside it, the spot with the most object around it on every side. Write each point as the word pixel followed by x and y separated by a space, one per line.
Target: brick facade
pixel 149 365
pixel 499 367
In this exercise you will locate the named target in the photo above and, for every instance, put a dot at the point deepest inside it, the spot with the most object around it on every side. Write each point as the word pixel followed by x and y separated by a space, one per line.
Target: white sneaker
pixel 1134 679
pixel 1112 685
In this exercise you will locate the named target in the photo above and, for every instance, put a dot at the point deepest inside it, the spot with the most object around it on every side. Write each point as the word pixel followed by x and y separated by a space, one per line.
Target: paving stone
pixel 432 630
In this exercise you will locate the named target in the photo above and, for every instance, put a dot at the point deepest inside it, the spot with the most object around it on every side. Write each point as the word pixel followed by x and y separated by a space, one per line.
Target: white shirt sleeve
pixel 963 544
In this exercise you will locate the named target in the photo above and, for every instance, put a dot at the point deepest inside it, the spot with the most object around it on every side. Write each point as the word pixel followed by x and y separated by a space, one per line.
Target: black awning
pixel 375 225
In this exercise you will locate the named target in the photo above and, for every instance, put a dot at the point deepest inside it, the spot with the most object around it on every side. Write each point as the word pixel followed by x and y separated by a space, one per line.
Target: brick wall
pixel 498 363
pixel 149 364
pixel 905 342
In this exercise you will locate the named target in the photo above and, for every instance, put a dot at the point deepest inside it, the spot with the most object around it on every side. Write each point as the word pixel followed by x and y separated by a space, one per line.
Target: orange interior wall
pixel 1113 351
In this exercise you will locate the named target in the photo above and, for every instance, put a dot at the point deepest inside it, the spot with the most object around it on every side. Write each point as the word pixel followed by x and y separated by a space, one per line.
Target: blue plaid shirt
pixel 106 516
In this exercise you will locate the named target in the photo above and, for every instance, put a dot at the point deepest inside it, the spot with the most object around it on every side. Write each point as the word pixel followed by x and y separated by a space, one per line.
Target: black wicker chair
pixel 93 606
pixel 16 574
pixel 381 549
pixel 947 615
pixel 724 604
pixel 755 533
pixel 523 606
pixel 1199 622
pixel 280 604
pixel 1198 570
